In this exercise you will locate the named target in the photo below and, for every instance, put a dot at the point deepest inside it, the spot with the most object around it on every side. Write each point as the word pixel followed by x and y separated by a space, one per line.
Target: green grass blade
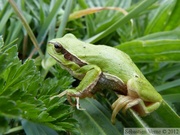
pixel 168 85
pixel 4 19
pixel 15 27
pixel 172 98
pixel 48 21
pixel 160 17
pixel 174 21
pixel 136 11
pixel 65 18
pixel 26 25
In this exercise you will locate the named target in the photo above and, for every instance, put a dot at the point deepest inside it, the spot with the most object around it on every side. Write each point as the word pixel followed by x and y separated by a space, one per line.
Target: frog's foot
pixel 70 93
pixel 123 103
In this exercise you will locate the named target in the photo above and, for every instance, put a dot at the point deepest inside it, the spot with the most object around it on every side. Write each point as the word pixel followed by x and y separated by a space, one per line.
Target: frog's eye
pixel 58 47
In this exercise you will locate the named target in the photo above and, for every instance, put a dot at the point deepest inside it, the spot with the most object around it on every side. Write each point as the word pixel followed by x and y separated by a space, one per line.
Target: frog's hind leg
pixel 122 103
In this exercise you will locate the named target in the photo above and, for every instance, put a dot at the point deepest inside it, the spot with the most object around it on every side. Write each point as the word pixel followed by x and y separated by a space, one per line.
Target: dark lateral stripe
pixel 70 57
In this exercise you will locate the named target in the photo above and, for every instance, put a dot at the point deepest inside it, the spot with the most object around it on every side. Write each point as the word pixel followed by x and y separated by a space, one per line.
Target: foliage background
pixel 146 30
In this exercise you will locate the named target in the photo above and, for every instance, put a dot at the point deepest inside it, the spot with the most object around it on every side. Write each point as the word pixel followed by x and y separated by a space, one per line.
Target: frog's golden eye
pixel 58 47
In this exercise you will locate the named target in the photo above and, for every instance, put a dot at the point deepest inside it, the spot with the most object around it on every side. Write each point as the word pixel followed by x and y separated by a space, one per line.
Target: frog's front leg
pixel 89 75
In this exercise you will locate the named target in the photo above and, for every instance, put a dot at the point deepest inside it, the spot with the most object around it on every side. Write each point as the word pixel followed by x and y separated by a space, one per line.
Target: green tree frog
pixel 101 67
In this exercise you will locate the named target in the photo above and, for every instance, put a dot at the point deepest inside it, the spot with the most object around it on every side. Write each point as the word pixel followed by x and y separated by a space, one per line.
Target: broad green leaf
pixel 173 35
pixel 95 119
pixel 152 50
pixel 31 128
pixel 159 117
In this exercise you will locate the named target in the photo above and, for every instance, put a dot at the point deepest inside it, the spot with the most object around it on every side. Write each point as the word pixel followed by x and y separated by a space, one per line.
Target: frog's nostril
pixel 135 75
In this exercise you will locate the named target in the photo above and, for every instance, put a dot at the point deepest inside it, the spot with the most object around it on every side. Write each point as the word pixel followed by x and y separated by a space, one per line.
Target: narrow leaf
pixel 136 11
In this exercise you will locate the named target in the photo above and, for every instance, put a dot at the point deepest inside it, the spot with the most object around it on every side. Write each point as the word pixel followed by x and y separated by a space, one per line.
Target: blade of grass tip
pixel 168 85
pixel 27 27
pixel 4 19
pixel 65 18
pixel 13 130
pixel 48 21
pixel 141 7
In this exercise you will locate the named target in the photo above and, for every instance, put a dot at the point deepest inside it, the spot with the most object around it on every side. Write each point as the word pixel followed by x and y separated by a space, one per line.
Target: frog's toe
pixel 132 103
pixel 78 104
pixel 119 104
pixel 69 93
pixel 125 102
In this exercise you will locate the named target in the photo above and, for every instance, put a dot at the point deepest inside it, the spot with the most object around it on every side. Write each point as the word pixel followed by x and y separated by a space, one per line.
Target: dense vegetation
pixel 147 30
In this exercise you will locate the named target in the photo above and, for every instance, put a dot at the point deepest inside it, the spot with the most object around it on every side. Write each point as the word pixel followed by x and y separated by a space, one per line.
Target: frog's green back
pixel 109 59
pixel 114 61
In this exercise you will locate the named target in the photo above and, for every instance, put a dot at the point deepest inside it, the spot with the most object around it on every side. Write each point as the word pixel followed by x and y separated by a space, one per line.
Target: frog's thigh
pixel 139 105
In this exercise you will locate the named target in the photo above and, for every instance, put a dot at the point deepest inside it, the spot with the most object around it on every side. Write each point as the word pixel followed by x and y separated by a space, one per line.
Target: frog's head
pixel 61 49
pixel 62 45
